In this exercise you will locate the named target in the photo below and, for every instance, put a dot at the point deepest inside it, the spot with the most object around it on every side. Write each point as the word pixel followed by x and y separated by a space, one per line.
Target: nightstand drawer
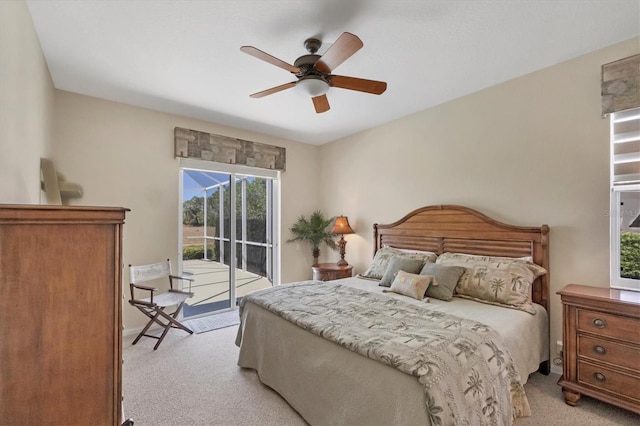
pixel 611 381
pixel 610 352
pixel 602 324
pixel 331 271
pixel 330 276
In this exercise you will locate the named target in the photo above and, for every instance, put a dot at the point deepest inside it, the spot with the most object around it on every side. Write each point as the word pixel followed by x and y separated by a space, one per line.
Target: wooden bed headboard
pixel 456 229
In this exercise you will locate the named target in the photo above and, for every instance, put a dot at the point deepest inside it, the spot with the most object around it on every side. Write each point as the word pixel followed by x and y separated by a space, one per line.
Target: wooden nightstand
pixel 330 271
pixel 601 345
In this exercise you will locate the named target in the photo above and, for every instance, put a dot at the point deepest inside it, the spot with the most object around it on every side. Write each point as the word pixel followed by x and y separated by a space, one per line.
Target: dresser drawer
pixel 608 380
pixel 611 352
pixel 627 329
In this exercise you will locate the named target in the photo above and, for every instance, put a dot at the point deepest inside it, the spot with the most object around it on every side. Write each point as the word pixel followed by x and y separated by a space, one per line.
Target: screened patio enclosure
pixel 226 244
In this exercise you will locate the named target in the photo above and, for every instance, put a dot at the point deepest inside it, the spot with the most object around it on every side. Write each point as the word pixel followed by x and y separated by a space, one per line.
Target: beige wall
pixel 530 151
pixel 123 156
pixel 26 106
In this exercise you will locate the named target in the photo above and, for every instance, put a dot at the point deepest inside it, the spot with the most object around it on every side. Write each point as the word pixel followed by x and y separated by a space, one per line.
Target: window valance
pixel 224 149
pixel 621 85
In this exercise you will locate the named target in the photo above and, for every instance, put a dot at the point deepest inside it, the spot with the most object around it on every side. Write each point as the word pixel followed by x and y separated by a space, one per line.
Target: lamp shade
pixel 341 226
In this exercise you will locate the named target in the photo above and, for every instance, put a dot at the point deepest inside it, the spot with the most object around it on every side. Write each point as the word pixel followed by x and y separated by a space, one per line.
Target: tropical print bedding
pixel 466 371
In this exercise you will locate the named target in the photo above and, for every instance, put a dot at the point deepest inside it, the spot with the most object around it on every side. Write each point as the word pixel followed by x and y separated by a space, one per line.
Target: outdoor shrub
pixel 197 252
pixel 630 255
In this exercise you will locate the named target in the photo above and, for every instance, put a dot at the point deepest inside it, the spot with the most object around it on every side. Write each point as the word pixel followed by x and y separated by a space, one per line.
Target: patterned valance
pixel 621 85
pixel 223 149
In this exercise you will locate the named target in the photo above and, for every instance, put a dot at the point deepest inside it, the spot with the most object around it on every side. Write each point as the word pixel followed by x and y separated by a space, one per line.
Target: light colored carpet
pixel 195 380
pixel 213 322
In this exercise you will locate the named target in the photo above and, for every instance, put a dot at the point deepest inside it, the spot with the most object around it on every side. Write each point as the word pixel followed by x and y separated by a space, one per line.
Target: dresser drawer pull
pixel 600 323
pixel 600 377
pixel 599 350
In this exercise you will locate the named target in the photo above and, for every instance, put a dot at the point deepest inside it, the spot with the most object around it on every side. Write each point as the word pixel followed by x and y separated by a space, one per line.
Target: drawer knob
pixel 599 350
pixel 600 323
pixel 599 377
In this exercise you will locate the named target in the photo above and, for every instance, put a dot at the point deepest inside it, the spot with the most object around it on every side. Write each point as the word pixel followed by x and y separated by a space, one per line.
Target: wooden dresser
pixel 60 315
pixel 601 345
pixel 331 271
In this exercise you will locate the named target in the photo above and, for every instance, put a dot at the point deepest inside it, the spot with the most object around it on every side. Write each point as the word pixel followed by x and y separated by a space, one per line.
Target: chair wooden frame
pixel 154 306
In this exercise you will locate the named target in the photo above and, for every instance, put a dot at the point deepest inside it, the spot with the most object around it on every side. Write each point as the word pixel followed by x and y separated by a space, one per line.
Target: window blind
pixel 625 148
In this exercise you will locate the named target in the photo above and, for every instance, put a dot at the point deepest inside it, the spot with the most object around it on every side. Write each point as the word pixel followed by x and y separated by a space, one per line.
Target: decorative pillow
pixel 411 285
pixel 445 279
pixel 508 286
pixel 381 260
pixel 470 260
pixel 396 264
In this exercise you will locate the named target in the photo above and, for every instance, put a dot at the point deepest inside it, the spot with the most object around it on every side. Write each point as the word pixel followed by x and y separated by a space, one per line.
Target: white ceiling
pixel 183 57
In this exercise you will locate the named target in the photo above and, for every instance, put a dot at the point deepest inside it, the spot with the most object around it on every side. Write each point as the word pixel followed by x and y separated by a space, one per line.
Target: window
pixel 625 200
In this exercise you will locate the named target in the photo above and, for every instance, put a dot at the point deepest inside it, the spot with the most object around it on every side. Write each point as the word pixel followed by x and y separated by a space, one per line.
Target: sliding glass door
pixel 228 244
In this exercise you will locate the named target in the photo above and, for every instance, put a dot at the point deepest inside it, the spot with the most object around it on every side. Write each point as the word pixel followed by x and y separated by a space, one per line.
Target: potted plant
pixel 315 230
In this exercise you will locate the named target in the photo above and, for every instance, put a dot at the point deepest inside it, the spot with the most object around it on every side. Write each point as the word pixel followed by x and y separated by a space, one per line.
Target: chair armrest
pixel 172 277
pixel 144 287
pixel 182 278
pixel 141 302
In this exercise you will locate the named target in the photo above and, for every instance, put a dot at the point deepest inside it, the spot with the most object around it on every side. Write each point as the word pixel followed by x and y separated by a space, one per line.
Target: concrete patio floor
pixel 211 286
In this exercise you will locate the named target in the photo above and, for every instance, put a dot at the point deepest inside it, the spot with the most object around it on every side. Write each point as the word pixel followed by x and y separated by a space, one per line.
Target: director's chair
pixel 154 306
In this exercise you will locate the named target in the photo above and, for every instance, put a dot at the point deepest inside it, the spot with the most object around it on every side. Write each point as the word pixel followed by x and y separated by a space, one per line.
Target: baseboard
pixel 556 369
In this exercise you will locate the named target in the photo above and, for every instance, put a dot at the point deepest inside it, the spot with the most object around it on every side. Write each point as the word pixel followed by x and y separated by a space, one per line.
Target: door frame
pixel 235 171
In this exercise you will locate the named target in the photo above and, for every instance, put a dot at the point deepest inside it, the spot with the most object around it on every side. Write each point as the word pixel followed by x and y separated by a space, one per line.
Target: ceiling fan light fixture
pixel 314 71
pixel 312 86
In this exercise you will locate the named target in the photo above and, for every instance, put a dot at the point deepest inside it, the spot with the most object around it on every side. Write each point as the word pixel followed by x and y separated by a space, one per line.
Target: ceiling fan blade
pixel 273 90
pixel 321 103
pixel 345 46
pixel 257 53
pixel 358 84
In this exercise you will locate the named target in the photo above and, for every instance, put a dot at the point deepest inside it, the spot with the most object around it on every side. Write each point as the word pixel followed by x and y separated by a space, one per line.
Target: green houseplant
pixel 315 230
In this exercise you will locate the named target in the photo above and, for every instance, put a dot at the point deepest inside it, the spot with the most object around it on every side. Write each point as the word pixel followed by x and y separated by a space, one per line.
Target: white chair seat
pixel 169 299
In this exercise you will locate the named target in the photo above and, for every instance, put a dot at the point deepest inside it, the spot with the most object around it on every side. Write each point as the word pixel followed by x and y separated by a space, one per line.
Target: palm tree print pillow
pixel 508 286
pixel 469 260
pixel 384 255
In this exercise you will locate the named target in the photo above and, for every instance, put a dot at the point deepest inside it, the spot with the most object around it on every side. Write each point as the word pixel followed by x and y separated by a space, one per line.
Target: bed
pixel 332 380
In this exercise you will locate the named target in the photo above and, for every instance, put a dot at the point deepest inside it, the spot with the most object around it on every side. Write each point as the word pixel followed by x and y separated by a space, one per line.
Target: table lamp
pixel 341 226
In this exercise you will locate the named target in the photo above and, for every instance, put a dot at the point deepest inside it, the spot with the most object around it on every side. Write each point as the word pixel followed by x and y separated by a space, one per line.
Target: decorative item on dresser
pixel 60 315
pixel 341 227
pixel 601 345
pixel 330 271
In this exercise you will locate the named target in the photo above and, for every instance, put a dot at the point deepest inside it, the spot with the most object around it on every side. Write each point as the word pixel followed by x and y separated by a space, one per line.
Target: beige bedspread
pixel 327 383
pixel 526 335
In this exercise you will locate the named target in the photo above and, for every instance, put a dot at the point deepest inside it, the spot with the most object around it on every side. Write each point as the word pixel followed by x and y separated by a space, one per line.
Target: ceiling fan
pixel 314 71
